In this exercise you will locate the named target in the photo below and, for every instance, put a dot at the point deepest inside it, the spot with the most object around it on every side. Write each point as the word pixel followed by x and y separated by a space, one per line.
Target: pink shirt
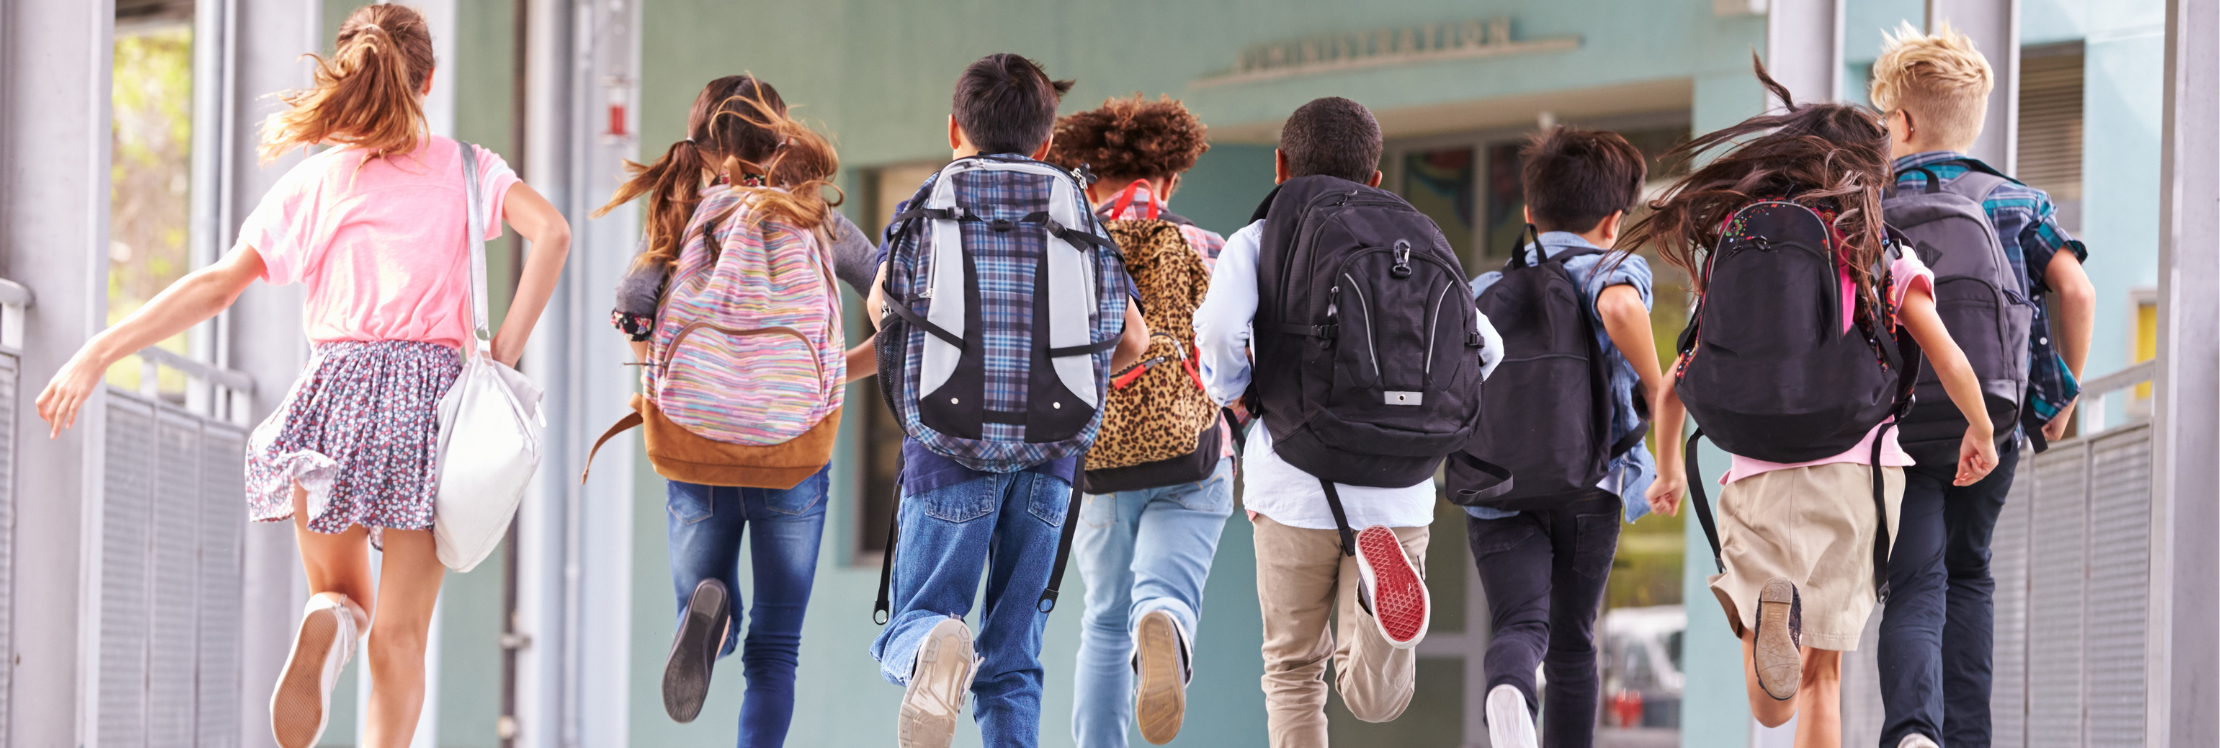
pixel 378 242
pixel 1907 273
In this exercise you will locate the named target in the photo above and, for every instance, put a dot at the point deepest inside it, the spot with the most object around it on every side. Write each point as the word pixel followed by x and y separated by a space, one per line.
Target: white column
pixel 1994 26
pixel 2185 651
pixel 55 64
pixel 1803 48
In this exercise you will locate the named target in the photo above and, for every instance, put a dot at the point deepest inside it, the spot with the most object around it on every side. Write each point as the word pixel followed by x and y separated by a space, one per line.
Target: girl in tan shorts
pixel 1797 540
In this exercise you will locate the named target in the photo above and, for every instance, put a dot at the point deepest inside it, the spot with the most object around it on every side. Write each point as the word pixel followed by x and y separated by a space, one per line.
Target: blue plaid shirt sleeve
pixel 2043 239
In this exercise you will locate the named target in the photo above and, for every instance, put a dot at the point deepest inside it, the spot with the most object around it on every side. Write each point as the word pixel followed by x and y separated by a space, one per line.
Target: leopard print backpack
pixel 1158 415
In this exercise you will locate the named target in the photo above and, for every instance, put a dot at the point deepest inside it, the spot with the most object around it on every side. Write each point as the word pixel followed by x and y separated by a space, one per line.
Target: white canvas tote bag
pixel 489 424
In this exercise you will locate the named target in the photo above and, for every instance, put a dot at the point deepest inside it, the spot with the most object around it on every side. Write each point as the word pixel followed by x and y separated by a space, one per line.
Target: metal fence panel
pixel 2008 558
pixel 172 657
pixel 8 376
pixel 2119 585
pixel 222 583
pixel 2057 598
pixel 125 613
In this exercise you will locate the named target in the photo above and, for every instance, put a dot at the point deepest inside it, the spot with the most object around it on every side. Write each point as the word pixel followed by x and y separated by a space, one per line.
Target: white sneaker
pixel 301 706
pixel 939 681
pixel 1916 740
pixel 1390 588
pixel 1510 725
pixel 1163 664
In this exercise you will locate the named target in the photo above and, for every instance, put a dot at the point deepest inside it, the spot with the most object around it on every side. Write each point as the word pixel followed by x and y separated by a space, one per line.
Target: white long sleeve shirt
pixel 1224 325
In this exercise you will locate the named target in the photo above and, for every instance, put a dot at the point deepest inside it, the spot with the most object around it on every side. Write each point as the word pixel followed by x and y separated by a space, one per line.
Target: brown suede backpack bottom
pixel 687 457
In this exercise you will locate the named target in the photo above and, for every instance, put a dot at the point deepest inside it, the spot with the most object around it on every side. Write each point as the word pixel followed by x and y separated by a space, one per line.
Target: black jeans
pixel 1937 645
pixel 1544 574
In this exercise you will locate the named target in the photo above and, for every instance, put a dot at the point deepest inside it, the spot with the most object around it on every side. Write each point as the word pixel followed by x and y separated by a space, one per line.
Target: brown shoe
pixel 939 681
pixel 1778 653
pixel 1161 664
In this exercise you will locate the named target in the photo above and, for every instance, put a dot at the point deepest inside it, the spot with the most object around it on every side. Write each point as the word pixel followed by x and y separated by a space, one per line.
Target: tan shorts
pixel 1813 525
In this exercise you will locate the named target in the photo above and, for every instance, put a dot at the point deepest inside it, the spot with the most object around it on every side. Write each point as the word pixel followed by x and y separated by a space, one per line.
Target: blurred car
pixel 1642 678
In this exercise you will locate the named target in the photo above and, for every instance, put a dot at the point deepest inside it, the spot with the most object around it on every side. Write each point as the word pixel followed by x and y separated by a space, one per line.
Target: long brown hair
pixel 738 126
pixel 367 94
pixel 1828 156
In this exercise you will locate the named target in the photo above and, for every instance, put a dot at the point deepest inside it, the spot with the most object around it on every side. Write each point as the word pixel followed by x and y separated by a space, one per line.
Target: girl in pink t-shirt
pixel 1797 540
pixel 374 226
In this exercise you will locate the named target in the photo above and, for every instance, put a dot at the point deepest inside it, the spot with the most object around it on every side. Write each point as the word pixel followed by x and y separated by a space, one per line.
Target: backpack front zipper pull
pixel 1402 268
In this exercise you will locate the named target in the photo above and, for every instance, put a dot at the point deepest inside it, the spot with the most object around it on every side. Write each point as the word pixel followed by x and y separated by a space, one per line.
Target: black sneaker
pixel 701 634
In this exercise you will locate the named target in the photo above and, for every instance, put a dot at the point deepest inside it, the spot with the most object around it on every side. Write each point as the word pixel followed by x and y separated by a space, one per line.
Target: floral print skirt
pixel 360 433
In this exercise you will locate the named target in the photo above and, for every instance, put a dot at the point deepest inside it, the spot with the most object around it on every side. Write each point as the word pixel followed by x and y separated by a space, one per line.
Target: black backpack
pixel 1979 297
pixel 1767 369
pixel 1549 402
pixel 1367 346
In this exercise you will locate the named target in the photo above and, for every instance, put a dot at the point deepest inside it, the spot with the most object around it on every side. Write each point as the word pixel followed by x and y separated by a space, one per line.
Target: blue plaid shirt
pixel 2027 224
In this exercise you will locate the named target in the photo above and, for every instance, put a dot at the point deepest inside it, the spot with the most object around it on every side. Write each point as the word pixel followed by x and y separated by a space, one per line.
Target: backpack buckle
pixel 1002 224
pixel 1402 268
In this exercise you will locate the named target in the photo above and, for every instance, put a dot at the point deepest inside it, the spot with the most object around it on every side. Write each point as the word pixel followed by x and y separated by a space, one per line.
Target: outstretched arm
pixel 1627 320
pixel 188 302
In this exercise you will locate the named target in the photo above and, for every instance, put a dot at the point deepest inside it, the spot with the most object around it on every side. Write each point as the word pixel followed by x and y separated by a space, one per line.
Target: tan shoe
pixel 1162 665
pixel 938 684
pixel 301 705
pixel 1778 653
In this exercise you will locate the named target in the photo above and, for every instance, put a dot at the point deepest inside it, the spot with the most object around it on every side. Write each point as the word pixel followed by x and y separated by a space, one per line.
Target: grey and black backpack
pixel 1979 297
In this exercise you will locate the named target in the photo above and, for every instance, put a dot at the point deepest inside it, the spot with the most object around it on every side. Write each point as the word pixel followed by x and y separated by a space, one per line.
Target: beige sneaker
pixel 939 681
pixel 301 706
pixel 1916 740
pixel 1510 725
pixel 1162 665
pixel 1778 653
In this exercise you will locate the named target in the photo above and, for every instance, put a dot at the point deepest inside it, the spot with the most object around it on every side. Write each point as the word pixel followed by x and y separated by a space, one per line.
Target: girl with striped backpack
pixel 744 376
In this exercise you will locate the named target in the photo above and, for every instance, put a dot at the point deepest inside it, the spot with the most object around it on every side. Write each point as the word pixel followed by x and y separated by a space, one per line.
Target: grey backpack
pixel 1979 297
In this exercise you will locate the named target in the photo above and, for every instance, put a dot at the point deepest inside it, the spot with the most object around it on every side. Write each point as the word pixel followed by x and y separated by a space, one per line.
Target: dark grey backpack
pixel 1979 297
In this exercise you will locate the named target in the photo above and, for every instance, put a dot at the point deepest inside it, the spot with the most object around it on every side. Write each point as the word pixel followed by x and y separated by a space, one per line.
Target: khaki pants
pixel 1301 579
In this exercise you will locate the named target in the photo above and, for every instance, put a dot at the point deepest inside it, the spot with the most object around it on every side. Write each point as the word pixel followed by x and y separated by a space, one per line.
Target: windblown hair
pixel 1940 78
pixel 1129 139
pixel 368 95
pixel 738 126
pixel 1830 157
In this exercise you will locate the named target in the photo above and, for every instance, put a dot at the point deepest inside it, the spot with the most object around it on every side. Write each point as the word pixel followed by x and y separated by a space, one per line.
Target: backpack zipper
pixel 1370 341
pixel 1433 325
pixel 691 327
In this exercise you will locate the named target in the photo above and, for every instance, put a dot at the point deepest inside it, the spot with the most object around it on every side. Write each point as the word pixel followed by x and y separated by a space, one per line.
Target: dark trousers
pixel 1937 644
pixel 1544 574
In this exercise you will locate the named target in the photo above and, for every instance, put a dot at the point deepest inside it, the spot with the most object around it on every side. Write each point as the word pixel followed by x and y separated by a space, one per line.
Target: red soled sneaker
pixel 1390 588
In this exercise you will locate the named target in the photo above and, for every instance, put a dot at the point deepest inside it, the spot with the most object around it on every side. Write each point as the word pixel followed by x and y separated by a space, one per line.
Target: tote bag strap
pixel 475 233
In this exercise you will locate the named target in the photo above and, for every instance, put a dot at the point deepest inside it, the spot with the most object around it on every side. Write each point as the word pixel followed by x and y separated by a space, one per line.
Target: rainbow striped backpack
pixel 747 361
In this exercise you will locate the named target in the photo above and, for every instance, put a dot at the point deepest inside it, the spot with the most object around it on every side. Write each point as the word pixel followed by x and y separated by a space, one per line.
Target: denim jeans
pixel 1140 551
pixel 784 528
pixel 1007 524
pixel 1544 573
pixel 1937 647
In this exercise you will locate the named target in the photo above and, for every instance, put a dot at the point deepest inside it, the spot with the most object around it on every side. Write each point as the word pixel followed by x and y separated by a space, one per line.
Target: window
pixel 2049 155
pixel 150 218
pixel 1439 183
pixel 882 435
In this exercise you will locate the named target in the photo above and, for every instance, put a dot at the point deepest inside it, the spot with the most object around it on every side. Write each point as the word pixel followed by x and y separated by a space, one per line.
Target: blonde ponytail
pixel 368 95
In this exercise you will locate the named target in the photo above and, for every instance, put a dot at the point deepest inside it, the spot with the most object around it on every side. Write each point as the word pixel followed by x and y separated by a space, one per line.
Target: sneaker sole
pixel 936 692
pixel 1398 595
pixel 686 673
pixel 1510 725
pixel 297 709
pixel 1779 663
pixel 1161 701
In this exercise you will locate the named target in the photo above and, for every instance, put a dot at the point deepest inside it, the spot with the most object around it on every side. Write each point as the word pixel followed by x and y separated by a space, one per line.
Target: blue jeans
pixel 1938 638
pixel 1140 551
pixel 1007 524
pixel 707 523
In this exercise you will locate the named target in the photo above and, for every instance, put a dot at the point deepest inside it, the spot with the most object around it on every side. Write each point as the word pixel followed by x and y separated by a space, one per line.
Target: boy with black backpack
pixel 1000 301
pixel 1366 374
pixel 1160 479
pixel 1996 249
pixel 1565 416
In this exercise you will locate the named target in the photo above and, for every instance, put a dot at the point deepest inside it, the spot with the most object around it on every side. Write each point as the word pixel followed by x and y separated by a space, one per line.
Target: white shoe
pixel 1390 588
pixel 938 684
pixel 1510 725
pixel 1916 740
pixel 301 705
pixel 1163 665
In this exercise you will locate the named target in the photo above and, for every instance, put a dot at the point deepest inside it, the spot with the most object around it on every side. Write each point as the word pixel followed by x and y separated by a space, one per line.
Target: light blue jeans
pixel 1140 551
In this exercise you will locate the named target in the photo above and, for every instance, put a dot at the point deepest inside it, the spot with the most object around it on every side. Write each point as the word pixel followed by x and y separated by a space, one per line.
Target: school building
pixel 140 610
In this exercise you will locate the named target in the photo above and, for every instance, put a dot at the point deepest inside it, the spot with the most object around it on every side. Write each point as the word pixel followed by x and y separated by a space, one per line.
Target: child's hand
pixel 2056 428
pixel 68 391
pixel 1976 455
pixel 1664 493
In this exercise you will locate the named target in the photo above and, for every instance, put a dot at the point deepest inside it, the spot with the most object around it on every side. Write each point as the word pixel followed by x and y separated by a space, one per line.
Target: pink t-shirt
pixel 379 242
pixel 1906 274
